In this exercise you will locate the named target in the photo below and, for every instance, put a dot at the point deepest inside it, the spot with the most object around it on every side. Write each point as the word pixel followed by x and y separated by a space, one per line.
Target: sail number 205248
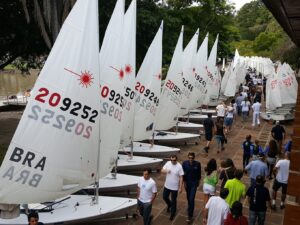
pixel 74 108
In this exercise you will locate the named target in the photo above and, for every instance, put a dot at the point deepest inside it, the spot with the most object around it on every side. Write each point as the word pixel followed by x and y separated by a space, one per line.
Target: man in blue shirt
pixel 191 179
pixel 257 167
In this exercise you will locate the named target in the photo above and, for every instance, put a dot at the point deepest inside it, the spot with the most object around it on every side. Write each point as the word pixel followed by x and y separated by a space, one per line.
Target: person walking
pixel 210 180
pixel 191 179
pixel 220 135
pixel 173 184
pixel 256 149
pixel 227 172
pixel 271 152
pixel 216 209
pixel 257 167
pixel 282 175
pixel 235 217
pixel 229 118
pixel 256 112
pixel 258 196
pixel 238 102
pixel 278 133
pixel 236 188
pixel 147 191
pixel 208 125
pixel 247 150
pixel 245 108
pixel 221 110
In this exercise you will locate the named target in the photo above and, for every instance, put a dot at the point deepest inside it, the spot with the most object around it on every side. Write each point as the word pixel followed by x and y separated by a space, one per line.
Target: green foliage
pixel 261 35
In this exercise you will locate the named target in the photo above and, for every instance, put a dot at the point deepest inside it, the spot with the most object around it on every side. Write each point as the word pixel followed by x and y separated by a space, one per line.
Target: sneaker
pixel 171 217
pixel 206 149
pixel 282 206
pixel 222 149
pixel 189 219
pixel 273 206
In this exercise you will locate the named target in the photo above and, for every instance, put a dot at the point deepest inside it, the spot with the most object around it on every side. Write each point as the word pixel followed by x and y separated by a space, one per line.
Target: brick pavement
pixel 232 150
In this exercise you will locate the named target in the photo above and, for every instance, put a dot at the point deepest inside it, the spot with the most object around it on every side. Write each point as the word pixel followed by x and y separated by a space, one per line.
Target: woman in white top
pixel 245 108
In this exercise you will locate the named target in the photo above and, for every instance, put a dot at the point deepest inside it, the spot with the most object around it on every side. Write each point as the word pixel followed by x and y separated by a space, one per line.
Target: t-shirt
pixel 245 106
pixel 256 107
pixel 239 99
pixel 218 210
pixel 278 132
pixel 208 124
pixel 259 196
pixel 257 167
pixel 220 110
pixel 283 166
pixel 247 146
pixel 147 189
pixel 236 190
pixel 173 177
pixel 192 172
pixel 230 111
pixel 242 220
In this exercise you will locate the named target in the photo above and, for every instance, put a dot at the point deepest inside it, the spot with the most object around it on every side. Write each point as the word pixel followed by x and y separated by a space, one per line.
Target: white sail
pixel 231 83
pixel 54 149
pixel 171 94
pixel 273 97
pixel 288 85
pixel 226 76
pixel 200 76
pixel 111 90
pixel 213 84
pixel 189 71
pixel 128 62
pixel 147 88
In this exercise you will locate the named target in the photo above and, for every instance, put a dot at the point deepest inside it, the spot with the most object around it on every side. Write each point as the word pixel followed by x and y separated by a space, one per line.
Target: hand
pixel 180 190
pixel 204 221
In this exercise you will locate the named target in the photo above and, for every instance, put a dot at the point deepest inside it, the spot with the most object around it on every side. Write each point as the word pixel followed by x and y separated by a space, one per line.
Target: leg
pixel 261 218
pixel 147 213
pixel 173 202
pixel 283 195
pixel 253 119
pixel 191 201
pixel 252 217
pixel 141 207
pixel 166 194
pixel 258 120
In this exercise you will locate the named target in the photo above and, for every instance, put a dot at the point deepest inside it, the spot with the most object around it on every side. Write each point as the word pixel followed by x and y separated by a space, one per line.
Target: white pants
pixel 255 118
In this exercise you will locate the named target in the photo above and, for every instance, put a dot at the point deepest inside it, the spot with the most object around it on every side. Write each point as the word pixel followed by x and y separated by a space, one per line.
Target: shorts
pixel 208 136
pixel 271 160
pixel 209 189
pixel 228 121
pixel 277 185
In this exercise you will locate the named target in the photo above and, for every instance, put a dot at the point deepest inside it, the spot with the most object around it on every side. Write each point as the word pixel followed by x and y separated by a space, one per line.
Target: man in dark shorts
pixel 278 133
pixel 208 124
pixel 282 174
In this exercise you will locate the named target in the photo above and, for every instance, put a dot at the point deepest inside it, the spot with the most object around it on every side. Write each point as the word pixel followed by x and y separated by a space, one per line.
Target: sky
pixel 239 3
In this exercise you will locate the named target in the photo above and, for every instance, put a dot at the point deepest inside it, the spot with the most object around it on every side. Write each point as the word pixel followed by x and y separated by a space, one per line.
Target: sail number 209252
pixel 74 108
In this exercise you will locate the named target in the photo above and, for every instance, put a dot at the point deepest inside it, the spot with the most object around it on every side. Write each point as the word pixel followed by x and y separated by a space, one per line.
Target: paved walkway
pixel 233 150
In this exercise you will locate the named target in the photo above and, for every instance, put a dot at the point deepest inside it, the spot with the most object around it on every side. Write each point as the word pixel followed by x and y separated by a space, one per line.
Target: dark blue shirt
pixel 259 196
pixel 192 172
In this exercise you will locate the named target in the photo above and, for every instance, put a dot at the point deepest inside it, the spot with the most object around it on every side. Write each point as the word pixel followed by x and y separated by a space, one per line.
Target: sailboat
pixel 129 145
pixel 55 149
pixel 176 91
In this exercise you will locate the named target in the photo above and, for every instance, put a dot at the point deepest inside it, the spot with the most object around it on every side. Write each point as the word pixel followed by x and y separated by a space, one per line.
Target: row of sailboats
pixel 64 142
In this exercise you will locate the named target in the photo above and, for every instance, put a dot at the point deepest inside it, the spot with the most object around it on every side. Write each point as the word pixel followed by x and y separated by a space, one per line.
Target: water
pixel 13 82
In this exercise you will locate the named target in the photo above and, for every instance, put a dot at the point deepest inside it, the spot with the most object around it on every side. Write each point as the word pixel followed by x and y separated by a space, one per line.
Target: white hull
pixel 189 127
pixel 79 208
pixel 138 163
pixel 172 137
pixel 111 184
pixel 279 117
pixel 196 118
pixel 144 149
pixel 204 111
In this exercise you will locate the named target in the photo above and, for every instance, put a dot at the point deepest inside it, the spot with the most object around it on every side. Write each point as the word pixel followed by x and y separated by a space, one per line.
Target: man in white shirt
pixel 216 209
pixel 282 175
pixel 147 191
pixel 256 111
pixel 221 110
pixel 173 184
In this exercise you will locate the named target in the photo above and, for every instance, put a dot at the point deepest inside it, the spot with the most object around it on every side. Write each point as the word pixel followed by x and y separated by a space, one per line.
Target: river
pixel 13 82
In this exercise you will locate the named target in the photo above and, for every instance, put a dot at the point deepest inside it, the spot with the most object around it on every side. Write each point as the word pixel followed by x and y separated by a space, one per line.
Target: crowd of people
pixel 223 203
